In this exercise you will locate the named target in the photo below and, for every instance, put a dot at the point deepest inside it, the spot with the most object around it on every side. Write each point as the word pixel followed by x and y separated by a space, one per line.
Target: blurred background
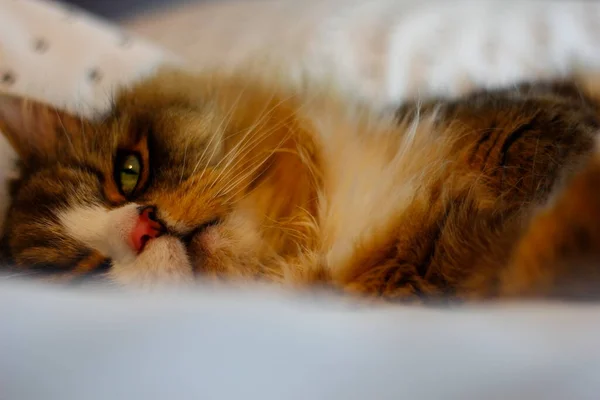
pixel 122 9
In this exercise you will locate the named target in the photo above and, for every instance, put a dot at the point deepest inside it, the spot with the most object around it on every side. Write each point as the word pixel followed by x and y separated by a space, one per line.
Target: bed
pixel 259 342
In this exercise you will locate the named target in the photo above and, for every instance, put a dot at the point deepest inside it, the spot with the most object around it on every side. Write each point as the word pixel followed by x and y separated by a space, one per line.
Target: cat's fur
pixel 494 194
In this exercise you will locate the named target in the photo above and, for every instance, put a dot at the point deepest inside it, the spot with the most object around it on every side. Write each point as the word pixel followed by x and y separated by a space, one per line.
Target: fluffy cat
pixel 492 195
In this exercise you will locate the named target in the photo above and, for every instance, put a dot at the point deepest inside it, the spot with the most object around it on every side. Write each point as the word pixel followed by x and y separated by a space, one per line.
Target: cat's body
pixel 196 176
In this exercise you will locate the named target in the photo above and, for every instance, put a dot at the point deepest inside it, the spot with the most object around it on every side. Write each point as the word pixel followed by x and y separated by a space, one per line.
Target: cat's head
pixel 185 175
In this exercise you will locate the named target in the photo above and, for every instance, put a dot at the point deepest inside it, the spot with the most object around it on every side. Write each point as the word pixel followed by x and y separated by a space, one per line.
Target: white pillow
pixel 386 50
pixel 62 55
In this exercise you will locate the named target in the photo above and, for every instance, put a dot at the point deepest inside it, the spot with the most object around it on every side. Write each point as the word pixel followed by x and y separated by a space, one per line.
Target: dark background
pixel 119 9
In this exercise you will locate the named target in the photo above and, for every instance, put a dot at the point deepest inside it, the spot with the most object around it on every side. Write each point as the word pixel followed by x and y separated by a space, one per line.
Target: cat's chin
pixel 164 262
pixel 206 249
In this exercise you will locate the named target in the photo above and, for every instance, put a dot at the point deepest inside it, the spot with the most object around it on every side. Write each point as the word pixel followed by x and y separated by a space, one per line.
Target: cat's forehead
pixel 137 119
pixel 173 134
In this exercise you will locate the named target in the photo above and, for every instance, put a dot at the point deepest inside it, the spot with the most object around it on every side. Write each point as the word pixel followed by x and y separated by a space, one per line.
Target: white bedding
pixel 386 50
pixel 59 345
pixel 261 345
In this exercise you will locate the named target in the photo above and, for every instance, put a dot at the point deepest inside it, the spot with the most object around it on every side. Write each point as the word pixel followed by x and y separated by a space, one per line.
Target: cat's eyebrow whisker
pixel 263 113
pixel 187 144
pixel 277 148
pixel 254 144
pixel 537 143
pixel 230 157
pixel 227 118
pixel 238 160
pixel 64 130
pixel 237 179
pixel 243 143
pixel 251 145
pixel 240 177
pixel 83 132
pixel 224 126
pixel 313 219
pixel 252 171
pixel 408 138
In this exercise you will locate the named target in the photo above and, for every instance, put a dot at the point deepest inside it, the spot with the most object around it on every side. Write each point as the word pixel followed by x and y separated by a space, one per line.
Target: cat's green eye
pixel 129 173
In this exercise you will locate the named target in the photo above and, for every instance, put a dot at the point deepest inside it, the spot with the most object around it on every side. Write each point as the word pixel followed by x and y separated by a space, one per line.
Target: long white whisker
pixel 64 129
pixel 227 118
pixel 256 143
pixel 241 145
pixel 252 171
pixel 184 161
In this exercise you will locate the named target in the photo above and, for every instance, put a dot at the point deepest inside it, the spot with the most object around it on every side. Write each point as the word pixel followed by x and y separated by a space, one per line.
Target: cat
pixel 492 195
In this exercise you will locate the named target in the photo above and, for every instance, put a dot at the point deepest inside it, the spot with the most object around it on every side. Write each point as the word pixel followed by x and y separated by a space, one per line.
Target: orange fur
pixel 438 201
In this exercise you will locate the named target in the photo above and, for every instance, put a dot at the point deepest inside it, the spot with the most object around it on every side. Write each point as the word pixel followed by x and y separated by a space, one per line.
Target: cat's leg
pixel 506 153
pixel 451 255
pixel 559 253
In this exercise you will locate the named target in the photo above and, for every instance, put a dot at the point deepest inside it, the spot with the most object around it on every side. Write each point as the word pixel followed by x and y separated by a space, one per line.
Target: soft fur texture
pixel 250 181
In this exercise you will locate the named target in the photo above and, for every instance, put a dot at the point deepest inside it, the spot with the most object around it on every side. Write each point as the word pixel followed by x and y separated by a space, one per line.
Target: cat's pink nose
pixel 146 227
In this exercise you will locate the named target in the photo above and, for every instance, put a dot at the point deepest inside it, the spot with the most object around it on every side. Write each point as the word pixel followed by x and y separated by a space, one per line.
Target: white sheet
pixel 59 345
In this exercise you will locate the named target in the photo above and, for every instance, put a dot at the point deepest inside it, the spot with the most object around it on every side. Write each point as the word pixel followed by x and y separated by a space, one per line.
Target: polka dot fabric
pixel 59 54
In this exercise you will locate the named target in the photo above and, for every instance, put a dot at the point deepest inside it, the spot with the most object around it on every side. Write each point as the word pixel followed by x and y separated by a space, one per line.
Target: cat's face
pixel 161 189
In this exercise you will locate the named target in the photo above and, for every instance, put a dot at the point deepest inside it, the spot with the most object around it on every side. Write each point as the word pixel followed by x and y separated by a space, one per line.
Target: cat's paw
pixel 559 254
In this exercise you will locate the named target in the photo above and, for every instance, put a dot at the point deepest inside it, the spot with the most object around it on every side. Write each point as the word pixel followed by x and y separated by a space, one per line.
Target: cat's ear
pixel 34 129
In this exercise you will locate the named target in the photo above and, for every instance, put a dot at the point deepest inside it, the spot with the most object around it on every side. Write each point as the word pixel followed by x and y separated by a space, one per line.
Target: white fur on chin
pixel 164 260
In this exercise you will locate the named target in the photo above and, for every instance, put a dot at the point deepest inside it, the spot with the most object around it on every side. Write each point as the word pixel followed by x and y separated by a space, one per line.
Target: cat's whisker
pixel 248 130
pixel 252 171
pixel 277 148
pixel 239 160
pixel 242 178
pixel 281 123
pixel 227 121
pixel 214 136
pixel 537 143
pixel 307 214
pixel 338 193
pixel 233 158
pixel 408 139
pixel 184 161
pixel 64 130
pixel 83 132
pixel 292 225
pixel 263 134
pixel 242 145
